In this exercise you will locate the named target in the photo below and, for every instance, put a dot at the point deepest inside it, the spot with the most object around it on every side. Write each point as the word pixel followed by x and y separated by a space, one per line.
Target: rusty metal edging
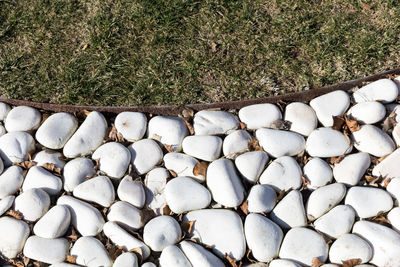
pixel 175 110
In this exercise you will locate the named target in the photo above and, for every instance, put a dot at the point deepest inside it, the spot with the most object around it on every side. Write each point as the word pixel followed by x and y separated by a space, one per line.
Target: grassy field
pixel 141 52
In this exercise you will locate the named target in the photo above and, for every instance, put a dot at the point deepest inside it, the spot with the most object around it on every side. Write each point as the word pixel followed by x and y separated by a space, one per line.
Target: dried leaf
pixel 82 114
pixel 189 126
pixel 336 160
pixel 253 145
pixel 316 262
pixel 389 122
pixel 169 148
pixel 45 116
pixel 173 174
pixel 352 124
pixel 338 121
pixel 244 207
pixel 167 210
pixel 72 234
pixel 15 214
pixel 114 135
pixel 370 178
pixel 26 164
pixel 51 167
pixel 71 259
pixel 386 182
pixel 26 261
pixel 113 250
pixel 351 262
pixel 139 253
pixel 16 263
pixel 231 261
pixel 200 168
pixel 242 125
pixel 248 256
pixel 281 194
pixel 304 180
pixel 281 125
pixel 187 227
pixel 187 113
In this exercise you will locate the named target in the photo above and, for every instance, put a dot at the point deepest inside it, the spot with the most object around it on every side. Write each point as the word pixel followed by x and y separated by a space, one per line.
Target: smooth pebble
pixel 39 177
pixel 259 115
pixel 46 250
pixel 89 251
pixel 351 168
pixel 182 165
pixel 131 191
pixel 211 122
pixel 337 221
pixel 327 142
pixel 22 118
pixel 132 125
pixel 261 199
pixel 99 190
pixel 236 142
pixel 32 204
pixel 145 155
pixel 13 234
pixel 372 140
pixel 161 232
pixel 76 172
pixel 367 112
pixel 169 131
pixel 203 147
pixel 251 164
pixel 384 90
pixel 126 215
pixel 350 246
pixel 317 172
pixel 289 212
pixel 114 159
pixel 324 199
pixel 54 223
pixel 302 118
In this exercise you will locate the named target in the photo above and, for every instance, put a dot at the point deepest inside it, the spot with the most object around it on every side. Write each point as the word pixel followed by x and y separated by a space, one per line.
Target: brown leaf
pixel 139 253
pixel 26 164
pixel 281 194
pixel 386 182
pixel 242 125
pixel 26 260
pixel 316 262
pixel 72 234
pixel 187 227
pixel 200 168
pixel 51 167
pixel 167 210
pixel 304 180
pixel 189 126
pixel 248 256
pixel 253 145
pixel 370 178
pixel 231 261
pixel 71 259
pixel 169 148
pixel 351 262
pixel 114 135
pixel 352 124
pixel 244 207
pixel 16 263
pixel 44 117
pixel 338 121
pixel 113 250
pixel 281 125
pixel 336 160
pixel 15 214
pixel 173 174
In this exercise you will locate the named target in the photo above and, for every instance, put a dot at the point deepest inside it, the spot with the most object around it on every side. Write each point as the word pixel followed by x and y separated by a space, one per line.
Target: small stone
pixel 32 204
pixel 161 232
pixel 54 223
pixel 10 181
pixel 262 198
pixel 302 118
pixel 49 157
pixel 327 142
pixel 384 90
pixel 22 119
pixel 388 167
pixel 251 164
pixel 259 115
pixel 6 203
pixel 126 215
pixel 126 259
pixel 317 172
pixel 155 183
pixel 132 125
pixel 206 148
pixel 199 256
pixel 113 158
pixel 4 109
pixel 350 246
pixel 131 191
pixel 368 201
pixel 372 140
pixel 38 177
pixel 394 218
pixel 289 212
pixel 278 143
pixel 210 122
pixel 367 112
pixel 46 250
pixel 351 168
pixel 145 155
pixel 13 234
pixel 76 171
pixel 393 188
pixel 169 131
pixel 89 251
pixel 182 165
pixel 235 142
pixel 99 190
pixel 172 256
pixel 15 146
pixel 337 221
pixel 282 263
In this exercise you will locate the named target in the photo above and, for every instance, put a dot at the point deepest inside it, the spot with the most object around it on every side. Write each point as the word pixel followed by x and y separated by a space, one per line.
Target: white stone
pixel 283 173
pixel 54 223
pixel 259 115
pixel 302 118
pixel 131 191
pixel 168 131
pixel 378 237
pixel 303 245
pixel 327 142
pixel 282 263
pixel 132 125
pixel 126 215
pixel 76 171
pixel 323 199
pixel 350 169
pixel 236 142
pixel 13 234
pixel 15 146
pixel 393 188
pixel 22 118
pixel 155 182
pixel 89 251
pixel 350 246
pixel 219 228
pixel 120 237
pixel 224 183
pixel 210 122
pixel 367 112
pixel 39 177
pixel 278 143
pixel 199 256
pixel 32 204
pixel 289 212
pixel 396 134
pixel 99 190
pixel 113 158
pixel 161 232
pixel 87 220
pixel 10 181
pixel 6 203
pixel 372 140
pixel 88 137
pixel 49 156
pixel 317 172
pixel 182 165
pixel 145 155
pixel 394 218
pixel 172 256
pixel 337 221
pixel 251 164
pixel 329 105
pixel 56 130
pixel 384 90
pixel 262 198
pixel 185 194
pixel 4 109
pixel 203 147
pixel 126 259
pixel 46 250
pixel 2 130
pixel 388 167
pixel 263 237
pixel 368 201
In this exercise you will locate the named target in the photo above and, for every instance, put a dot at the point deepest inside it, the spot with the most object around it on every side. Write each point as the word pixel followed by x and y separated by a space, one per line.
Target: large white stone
pixel 4 109
pixel 289 212
pixel 224 183
pixel 172 256
pixel 259 115
pixel 126 215
pixel 10 181
pixel 393 188
pixel 46 250
pixel 54 223
pixel 76 171
pixel 199 256
pixel 372 140
pixel 15 146
pixel 278 143
pixel 22 118
pixel 99 190
pixel 219 228
pixel 32 204
pixel 394 217
pixel 6 203
pixel 185 194
pixel 367 112
pixel 126 259
pixel 236 142
pixel 203 147
pixel 329 105
pixel 87 220
pixel 132 125
pixel 350 169
pixel 56 130
pixel 261 198
pixel 113 158
pixel 317 172
pixel 350 246
pixel 89 251
pixel 327 142
pixel 337 221
pixel 283 173
pixel 88 137
pixel 251 164
pixel 368 201
pixel 145 155
pixel 39 177
pixel 182 165
pixel 49 156
pixel 302 118
pixel 210 122
pixel 388 167
pixel 161 232
pixel 131 191
pixel 263 237
pixel 13 234
pixel 384 90
pixel 168 130
pixel 155 183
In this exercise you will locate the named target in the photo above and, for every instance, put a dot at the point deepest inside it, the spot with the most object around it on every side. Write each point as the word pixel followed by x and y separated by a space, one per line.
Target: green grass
pixel 146 52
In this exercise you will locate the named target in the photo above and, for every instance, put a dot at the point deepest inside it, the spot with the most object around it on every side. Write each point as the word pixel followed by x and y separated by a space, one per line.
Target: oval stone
pixel 317 172
pixel 384 90
pixel 259 115
pixel 350 246
pixel 337 221
pixel 211 122
pixel 372 140
pixel 367 112
pixel 48 156
pixel 76 171
pixel 13 234
pixel 132 125
pixel 126 259
pixel 161 232
pixel 39 177
pixel 262 198
pixel 22 118
pixel 89 251
pixel 46 250
pixel 206 147
pixel 169 131
pixel 235 142
pixel 113 158
pixel 302 118
pixel 388 167
pixel 327 142
pixel 145 155
pixel 15 146
pixel 6 203
pixel 99 190
pixel 251 164
pixel 182 165
pixel 172 256
pixel 155 183
pixel 126 215
pixel 32 204
pixel 199 256
pixel 281 263
pixel 131 191
pixel 10 181
pixel 350 169
pixel 54 223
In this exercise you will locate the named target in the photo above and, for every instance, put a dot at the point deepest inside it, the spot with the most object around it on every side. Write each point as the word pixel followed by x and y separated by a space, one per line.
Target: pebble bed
pixel 292 184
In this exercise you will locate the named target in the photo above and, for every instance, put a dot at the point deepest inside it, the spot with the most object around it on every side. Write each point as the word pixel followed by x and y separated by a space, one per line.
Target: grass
pixel 142 52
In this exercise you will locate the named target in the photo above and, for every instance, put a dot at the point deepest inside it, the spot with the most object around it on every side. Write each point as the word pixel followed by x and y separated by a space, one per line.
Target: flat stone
pixel 350 169
pixel 337 221
pixel 289 212
pixel 263 237
pixel 4 109
pixel 278 143
pixel 259 115
pixel 161 232
pixel 32 204
pixel 384 90
pixel 15 146
pixel 89 251
pixel 394 217
pixel 211 122
pixel 46 250
pixel 284 173
pixel 48 156
pixel 261 198
pixel 155 183
pixel 99 190
pixel 368 201
pixel 39 177
pixel 199 256
pixel 54 223
pixel 126 215
pixel 224 183
pixel 372 140
pixel 206 147
pixel 76 171
pixel 131 191
pixel 132 125
pixel 88 137
pixel 113 158
pixel 167 130
pixel 145 155
pixel 327 142
pixel 388 167
pixel 56 130
pixel 126 259
pixel 317 172
pixel 185 194
pixel 302 118
pixel 22 118
pixel 329 105
pixel 283 263
pixel 350 246
pixel 10 181
pixel 323 199
pixel 172 256
pixel 236 142
pixel 182 165
pixel 393 188
pixel 251 164
pixel 368 112
pixel 6 203
pixel 13 234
